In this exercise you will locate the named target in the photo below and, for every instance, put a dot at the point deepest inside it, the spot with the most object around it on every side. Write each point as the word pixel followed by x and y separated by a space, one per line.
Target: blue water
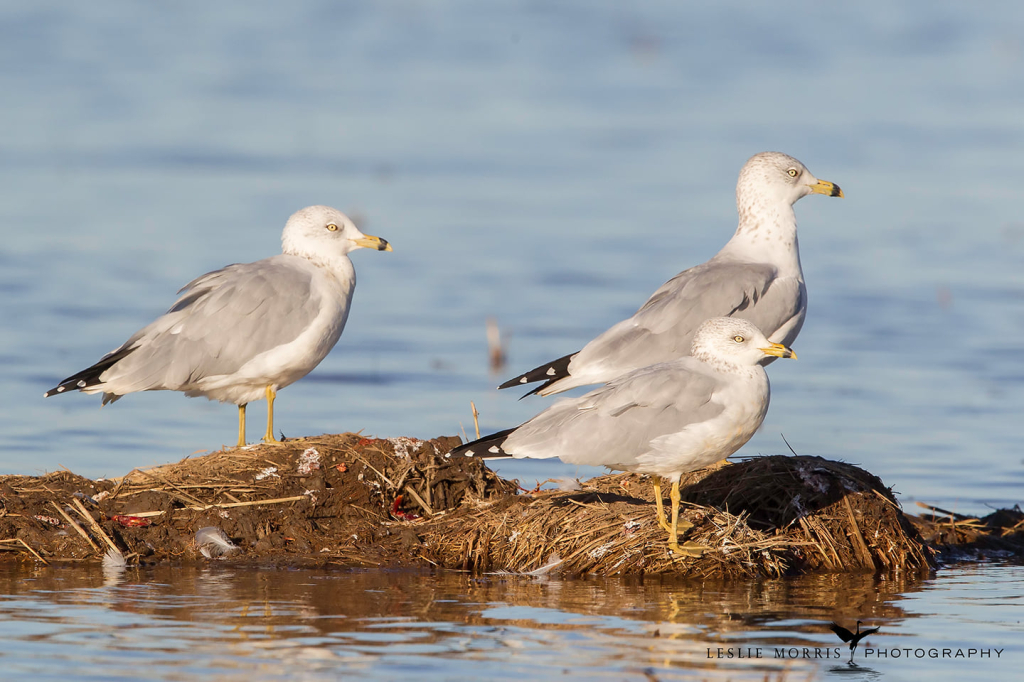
pixel 547 164
pixel 218 623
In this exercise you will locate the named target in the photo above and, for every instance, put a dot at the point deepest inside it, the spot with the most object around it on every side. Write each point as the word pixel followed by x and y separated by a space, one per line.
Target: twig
pixel 813 537
pixel 787 444
pixel 584 505
pixel 74 524
pixel 182 493
pixel 953 516
pixel 859 544
pixel 476 419
pixel 385 478
pixel 95 526
pixel 25 545
pixel 885 499
pixel 419 500
pixel 227 505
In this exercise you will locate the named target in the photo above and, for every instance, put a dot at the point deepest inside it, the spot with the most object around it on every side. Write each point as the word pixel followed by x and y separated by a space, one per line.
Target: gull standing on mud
pixel 245 331
pixel 663 420
pixel 756 276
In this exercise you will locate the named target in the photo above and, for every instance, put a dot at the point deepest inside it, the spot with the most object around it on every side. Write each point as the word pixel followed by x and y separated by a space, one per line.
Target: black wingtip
pixel 549 372
pixel 487 447
pixel 538 389
pixel 517 381
pixel 90 376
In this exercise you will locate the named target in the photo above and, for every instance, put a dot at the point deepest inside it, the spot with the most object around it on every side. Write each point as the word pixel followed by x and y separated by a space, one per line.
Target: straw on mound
pixel 354 501
pixel 765 516
pixel 958 536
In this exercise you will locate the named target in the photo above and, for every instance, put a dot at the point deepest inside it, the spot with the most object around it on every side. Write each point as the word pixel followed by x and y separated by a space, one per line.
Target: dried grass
pixel 401 502
pixel 959 535
pixel 769 516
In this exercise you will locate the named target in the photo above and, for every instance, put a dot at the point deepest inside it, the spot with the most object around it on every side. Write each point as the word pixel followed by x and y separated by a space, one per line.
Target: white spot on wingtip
pixel 522 380
pixel 494 449
pixel 468 453
pixel 550 372
pixel 81 383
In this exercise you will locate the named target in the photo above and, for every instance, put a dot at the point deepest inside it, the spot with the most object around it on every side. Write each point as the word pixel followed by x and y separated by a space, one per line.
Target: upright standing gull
pixel 756 276
pixel 248 330
pixel 665 419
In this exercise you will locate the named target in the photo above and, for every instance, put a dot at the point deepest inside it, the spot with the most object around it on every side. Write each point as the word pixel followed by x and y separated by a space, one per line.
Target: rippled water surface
pixel 547 164
pixel 228 624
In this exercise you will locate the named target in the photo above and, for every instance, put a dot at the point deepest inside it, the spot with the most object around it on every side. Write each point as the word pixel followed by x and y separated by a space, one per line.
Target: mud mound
pixel 355 501
pixel 340 498
pixel 957 536
pixel 766 516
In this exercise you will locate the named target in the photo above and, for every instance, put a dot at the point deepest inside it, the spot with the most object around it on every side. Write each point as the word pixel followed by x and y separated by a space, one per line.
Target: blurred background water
pixel 547 164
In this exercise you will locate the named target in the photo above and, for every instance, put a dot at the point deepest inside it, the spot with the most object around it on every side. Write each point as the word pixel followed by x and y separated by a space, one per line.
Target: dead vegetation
pixel 354 501
pixel 769 516
pixel 957 536
pixel 343 499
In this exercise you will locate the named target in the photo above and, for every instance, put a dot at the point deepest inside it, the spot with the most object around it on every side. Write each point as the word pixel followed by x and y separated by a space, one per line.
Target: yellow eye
pixel 738 339
pixel 332 227
pixel 793 172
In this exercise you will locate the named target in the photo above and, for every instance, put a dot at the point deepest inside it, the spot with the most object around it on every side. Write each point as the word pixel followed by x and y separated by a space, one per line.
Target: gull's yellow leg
pixel 241 426
pixel 673 536
pixel 660 505
pixel 690 548
pixel 268 437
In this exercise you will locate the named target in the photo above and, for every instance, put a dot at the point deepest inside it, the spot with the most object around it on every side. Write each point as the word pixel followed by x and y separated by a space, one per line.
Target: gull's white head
pixel 732 341
pixel 321 233
pixel 774 178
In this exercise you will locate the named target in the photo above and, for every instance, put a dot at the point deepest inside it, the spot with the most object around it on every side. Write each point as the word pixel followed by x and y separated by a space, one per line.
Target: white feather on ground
pixel 213 542
pixel 113 560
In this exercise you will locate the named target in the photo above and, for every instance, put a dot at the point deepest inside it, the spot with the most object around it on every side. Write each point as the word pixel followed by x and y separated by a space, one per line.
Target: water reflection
pixel 353 618
pixel 276 624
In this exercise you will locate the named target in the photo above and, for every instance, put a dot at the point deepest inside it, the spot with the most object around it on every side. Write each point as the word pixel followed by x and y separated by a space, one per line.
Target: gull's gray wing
pixel 221 321
pixel 662 329
pixel 614 424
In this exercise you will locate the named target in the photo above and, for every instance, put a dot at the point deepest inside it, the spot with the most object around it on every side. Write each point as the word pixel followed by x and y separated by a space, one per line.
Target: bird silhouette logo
pixel 852 637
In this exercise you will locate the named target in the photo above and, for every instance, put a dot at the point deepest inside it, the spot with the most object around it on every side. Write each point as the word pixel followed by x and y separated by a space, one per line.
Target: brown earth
pixel 399 502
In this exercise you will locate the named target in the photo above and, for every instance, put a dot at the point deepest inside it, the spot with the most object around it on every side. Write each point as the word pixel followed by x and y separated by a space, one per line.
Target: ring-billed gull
pixel 756 276
pixel 245 331
pixel 664 420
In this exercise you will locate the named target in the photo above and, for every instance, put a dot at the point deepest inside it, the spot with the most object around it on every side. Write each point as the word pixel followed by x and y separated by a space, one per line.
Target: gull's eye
pixel 332 227
pixel 738 339
pixel 793 172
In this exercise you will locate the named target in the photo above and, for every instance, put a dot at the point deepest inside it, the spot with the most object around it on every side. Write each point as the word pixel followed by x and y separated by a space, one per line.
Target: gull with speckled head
pixel 245 331
pixel 663 420
pixel 756 276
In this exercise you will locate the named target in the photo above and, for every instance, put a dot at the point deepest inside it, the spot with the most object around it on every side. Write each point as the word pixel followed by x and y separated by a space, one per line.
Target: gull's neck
pixel 338 264
pixel 720 363
pixel 766 233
